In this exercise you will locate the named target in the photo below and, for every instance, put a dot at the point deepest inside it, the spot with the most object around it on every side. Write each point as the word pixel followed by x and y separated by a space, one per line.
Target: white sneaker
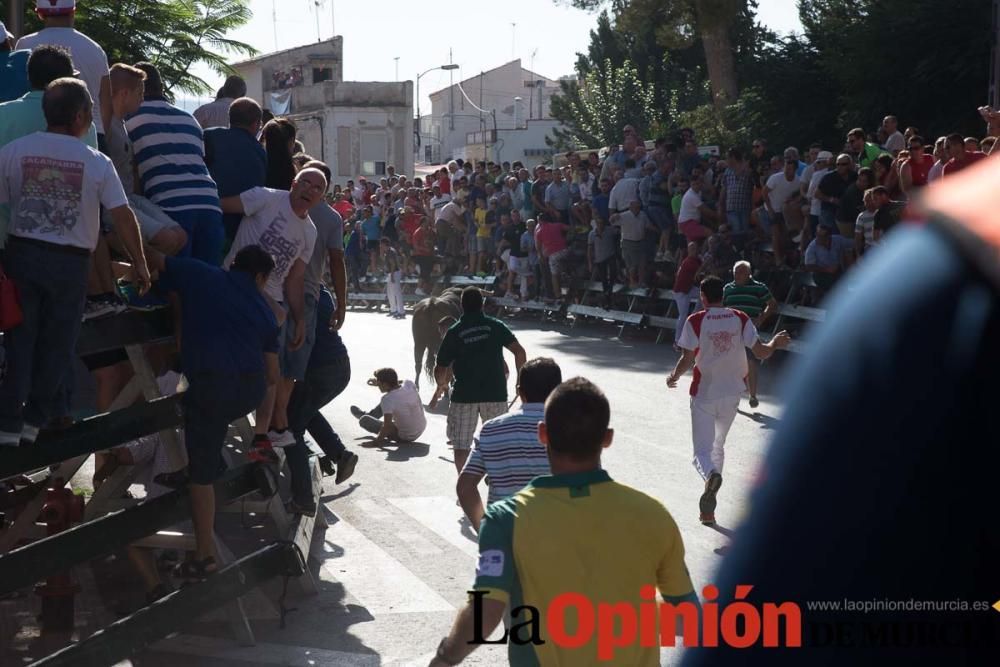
pixel 29 434
pixel 284 439
pixel 420 292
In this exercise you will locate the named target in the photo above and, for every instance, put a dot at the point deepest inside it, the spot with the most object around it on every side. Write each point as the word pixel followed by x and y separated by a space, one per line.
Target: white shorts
pixel 520 265
pixel 464 417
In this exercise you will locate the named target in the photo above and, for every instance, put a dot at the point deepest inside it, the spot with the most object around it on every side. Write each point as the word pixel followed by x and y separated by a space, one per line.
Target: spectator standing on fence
pixel 551 239
pixel 754 299
pixel 634 223
pixel 473 349
pixel 393 269
pixel 832 188
pixel 328 253
pixel 235 159
pixel 736 194
pixel 685 290
pixel 864 228
pixel 713 340
pixel 278 221
pixel 557 197
pixel 826 258
pixel 54 185
pixel 574 530
pixel 327 375
pixel 88 57
pixel 170 157
pixel 508 451
pixel 694 211
pixel 602 256
pixel 230 357
pixel 894 140
pixel 659 209
pixel 13 67
pixel 278 137
pixel 624 190
pixel 781 189
pixel 216 113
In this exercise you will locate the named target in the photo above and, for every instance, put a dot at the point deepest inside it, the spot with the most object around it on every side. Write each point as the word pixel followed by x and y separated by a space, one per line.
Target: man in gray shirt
pixel 557 196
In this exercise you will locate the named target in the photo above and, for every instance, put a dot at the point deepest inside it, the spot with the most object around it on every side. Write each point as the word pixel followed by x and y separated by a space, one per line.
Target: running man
pixel 473 348
pixel 713 340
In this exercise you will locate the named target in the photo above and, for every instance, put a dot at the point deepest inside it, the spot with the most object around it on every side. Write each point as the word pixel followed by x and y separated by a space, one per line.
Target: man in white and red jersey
pixel 713 340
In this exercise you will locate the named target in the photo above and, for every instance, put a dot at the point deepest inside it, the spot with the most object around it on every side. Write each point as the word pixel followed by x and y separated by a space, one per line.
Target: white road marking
pixel 442 516
pixel 378 581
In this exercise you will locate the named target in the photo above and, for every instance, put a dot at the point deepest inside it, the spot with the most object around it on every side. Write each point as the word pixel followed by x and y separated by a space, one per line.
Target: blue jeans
pixel 205 232
pixel 662 217
pixel 320 386
pixel 211 403
pixel 739 221
pixel 52 284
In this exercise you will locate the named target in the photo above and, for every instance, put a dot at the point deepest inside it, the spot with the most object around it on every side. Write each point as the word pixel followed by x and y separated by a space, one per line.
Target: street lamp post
pixel 447 67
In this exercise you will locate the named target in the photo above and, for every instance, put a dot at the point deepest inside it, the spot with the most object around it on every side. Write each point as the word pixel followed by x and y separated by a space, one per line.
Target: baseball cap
pixel 4 33
pixel 55 7
pixel 824 155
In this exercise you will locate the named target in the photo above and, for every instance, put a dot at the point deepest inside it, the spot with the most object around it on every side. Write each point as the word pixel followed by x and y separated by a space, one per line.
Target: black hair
pixel 712 287
pixel 48 63
pixel 277 134
pixel 63 100
pixel 253 260
pixel 538 378
pixel 322 166
pixel 577 415
pixel 472 300
pixel 917 138
pixel 387 376
pixel 736 154
pixel 154 82
pixel 234 87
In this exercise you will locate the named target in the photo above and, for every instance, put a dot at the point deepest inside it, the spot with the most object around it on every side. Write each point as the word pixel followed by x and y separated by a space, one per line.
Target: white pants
pixel 683 301
pixel 710 424
pixel 394 292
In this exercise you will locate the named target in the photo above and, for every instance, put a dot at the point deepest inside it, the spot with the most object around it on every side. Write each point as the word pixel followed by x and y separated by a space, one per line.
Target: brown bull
pixel 426 337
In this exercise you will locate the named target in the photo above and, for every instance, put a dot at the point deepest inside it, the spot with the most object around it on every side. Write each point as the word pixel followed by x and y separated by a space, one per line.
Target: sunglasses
pixel 843 164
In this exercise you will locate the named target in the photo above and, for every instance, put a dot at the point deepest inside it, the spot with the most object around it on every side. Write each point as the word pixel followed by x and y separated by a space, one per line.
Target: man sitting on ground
pixel 400 414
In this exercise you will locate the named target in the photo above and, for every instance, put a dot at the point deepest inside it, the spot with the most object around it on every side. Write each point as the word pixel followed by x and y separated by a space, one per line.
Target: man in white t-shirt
pixel 279 222
pixel 781 189
pixel 88 57
pixel 693 210
pixel 400 414
pixel 713 340
pixel 894 140
pixel 55 185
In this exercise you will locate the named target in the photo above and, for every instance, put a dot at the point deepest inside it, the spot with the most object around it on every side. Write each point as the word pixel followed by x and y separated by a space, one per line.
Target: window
pixel 374 152
pixel 321 74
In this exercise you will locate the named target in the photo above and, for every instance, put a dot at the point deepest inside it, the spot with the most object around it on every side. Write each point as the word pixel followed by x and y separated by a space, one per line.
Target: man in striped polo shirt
pixel 509 451
pixel 753 298
pixel 170 156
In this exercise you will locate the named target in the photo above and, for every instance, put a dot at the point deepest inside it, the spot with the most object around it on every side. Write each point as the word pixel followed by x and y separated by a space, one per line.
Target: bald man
pixel 278 221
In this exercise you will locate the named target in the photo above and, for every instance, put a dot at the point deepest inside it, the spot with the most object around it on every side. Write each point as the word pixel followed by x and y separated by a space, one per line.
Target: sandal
pixel 193 571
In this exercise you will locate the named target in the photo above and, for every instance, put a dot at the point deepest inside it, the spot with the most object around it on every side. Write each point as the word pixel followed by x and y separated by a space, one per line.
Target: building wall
pixel 499 88
pixel 526 145
pixel 259 72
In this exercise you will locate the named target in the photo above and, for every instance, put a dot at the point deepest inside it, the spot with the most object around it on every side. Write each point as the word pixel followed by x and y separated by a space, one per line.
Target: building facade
pixel 512 96
pixel 359 128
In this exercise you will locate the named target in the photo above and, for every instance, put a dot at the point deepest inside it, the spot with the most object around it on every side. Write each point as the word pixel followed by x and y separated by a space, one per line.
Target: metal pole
pixel 451 95
pixel 15 17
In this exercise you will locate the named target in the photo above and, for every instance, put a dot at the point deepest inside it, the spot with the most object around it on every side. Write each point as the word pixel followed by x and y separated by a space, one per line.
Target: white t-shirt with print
pixel 717 336
pixel 88 57
pixel 407 411
pixel 271 223
pixel 55 185
pixel 780 189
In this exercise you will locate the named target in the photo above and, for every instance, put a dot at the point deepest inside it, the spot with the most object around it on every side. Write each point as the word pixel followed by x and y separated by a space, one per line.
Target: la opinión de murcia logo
pixel 738 624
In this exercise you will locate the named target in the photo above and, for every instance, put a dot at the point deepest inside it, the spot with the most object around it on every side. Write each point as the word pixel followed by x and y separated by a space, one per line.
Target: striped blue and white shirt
pixel 509 452
pixel 170 156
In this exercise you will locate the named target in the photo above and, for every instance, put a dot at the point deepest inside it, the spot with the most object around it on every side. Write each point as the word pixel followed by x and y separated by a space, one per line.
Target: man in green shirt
pixel 867 152
pixel 473 348
pixel 753 298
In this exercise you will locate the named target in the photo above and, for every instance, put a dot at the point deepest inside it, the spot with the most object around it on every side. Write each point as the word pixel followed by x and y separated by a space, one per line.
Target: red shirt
pixel 684 280
pixel 344 208
pixel 410 224
pixel 551 236
pixel 953 166
pixel 920 167
pixel 445 183
pixel 423 243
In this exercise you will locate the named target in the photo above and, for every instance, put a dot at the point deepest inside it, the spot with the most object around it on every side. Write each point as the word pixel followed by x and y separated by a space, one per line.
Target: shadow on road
pixel 766 422
pixel 397 451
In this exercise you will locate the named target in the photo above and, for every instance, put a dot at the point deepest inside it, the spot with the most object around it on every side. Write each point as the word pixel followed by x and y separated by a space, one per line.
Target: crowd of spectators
pixel 631 216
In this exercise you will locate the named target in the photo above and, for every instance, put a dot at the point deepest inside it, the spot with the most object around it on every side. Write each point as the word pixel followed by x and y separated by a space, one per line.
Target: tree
pixel 680 23
pixel 172 34
pixel 608 98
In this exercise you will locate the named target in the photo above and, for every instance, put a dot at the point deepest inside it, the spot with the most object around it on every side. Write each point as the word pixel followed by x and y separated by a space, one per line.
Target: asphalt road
pixel 398 557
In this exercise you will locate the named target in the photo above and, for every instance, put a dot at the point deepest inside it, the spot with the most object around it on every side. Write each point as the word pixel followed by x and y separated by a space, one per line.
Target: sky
pixel 546 35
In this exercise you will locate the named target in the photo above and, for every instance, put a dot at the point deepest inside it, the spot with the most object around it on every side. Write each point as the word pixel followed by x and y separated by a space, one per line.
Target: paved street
pixel 398 557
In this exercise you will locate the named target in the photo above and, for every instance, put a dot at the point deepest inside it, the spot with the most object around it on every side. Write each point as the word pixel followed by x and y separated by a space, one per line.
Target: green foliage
pixel 733 125
pixel 173 34
pixel 609 98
